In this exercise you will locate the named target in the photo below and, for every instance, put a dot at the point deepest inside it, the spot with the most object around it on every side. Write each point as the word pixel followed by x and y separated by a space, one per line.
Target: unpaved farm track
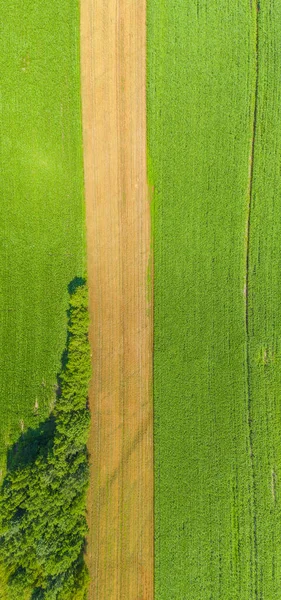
pixel 120 503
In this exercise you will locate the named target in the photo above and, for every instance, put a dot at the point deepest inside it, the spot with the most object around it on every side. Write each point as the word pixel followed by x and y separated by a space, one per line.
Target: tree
pixel 43 496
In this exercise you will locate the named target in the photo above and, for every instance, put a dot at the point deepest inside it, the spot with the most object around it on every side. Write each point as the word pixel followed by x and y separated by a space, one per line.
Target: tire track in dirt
pixel 120 502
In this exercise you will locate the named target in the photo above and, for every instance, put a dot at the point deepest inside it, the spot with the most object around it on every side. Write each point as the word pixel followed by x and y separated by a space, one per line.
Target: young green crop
pixel 265 305
pixel 214 160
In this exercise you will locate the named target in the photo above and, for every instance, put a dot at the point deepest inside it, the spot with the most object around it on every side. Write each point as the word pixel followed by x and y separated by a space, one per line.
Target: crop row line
pixel 256 10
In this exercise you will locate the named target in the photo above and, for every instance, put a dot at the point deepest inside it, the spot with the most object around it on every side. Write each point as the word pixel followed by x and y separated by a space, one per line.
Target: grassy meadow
pixel 214 160
pixel 42 238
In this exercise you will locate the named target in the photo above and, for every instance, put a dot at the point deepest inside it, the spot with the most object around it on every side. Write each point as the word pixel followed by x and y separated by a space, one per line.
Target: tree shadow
pixel 32 444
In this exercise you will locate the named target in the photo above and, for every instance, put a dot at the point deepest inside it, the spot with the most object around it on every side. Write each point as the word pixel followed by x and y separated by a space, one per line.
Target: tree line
pixel 43 496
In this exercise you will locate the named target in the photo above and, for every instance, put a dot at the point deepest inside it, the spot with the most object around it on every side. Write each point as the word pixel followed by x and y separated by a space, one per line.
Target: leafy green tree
pixel 43 496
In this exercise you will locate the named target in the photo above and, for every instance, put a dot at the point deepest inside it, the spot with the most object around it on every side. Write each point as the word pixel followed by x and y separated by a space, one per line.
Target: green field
pixel 214 146
pixel 265 307
pixel 42 237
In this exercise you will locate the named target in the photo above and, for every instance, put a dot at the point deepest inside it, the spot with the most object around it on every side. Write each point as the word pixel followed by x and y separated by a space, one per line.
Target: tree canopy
pixel 43 496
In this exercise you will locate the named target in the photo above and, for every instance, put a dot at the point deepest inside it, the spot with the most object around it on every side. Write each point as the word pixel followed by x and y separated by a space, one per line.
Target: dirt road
pixel 120 505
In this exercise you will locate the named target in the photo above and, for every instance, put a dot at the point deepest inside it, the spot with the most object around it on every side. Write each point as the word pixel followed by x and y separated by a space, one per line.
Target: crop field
pixel 265 307
pixel 42 237
pixel 156 123
pixel 214 161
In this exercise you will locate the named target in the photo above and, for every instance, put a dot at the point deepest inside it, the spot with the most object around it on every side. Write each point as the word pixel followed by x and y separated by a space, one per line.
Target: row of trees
pixel 43 496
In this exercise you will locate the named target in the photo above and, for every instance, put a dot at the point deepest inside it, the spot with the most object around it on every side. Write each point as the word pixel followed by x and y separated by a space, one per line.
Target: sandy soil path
pixel 120 544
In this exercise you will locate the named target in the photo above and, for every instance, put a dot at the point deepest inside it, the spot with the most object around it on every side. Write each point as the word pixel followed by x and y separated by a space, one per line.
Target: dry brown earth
pixel 120 504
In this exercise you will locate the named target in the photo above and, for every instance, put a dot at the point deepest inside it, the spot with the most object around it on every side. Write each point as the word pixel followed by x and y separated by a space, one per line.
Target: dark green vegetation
pixel 42 244
pixel 214 160
pixel 42 500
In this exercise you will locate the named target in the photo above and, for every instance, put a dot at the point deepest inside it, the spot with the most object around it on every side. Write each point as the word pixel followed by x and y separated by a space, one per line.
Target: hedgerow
pixel 42 499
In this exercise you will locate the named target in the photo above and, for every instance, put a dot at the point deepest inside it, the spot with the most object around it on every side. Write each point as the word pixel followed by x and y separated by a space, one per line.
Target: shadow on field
pixel 31 444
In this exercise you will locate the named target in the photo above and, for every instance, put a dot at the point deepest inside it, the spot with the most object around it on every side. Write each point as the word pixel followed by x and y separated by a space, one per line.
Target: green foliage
pixel 42 501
